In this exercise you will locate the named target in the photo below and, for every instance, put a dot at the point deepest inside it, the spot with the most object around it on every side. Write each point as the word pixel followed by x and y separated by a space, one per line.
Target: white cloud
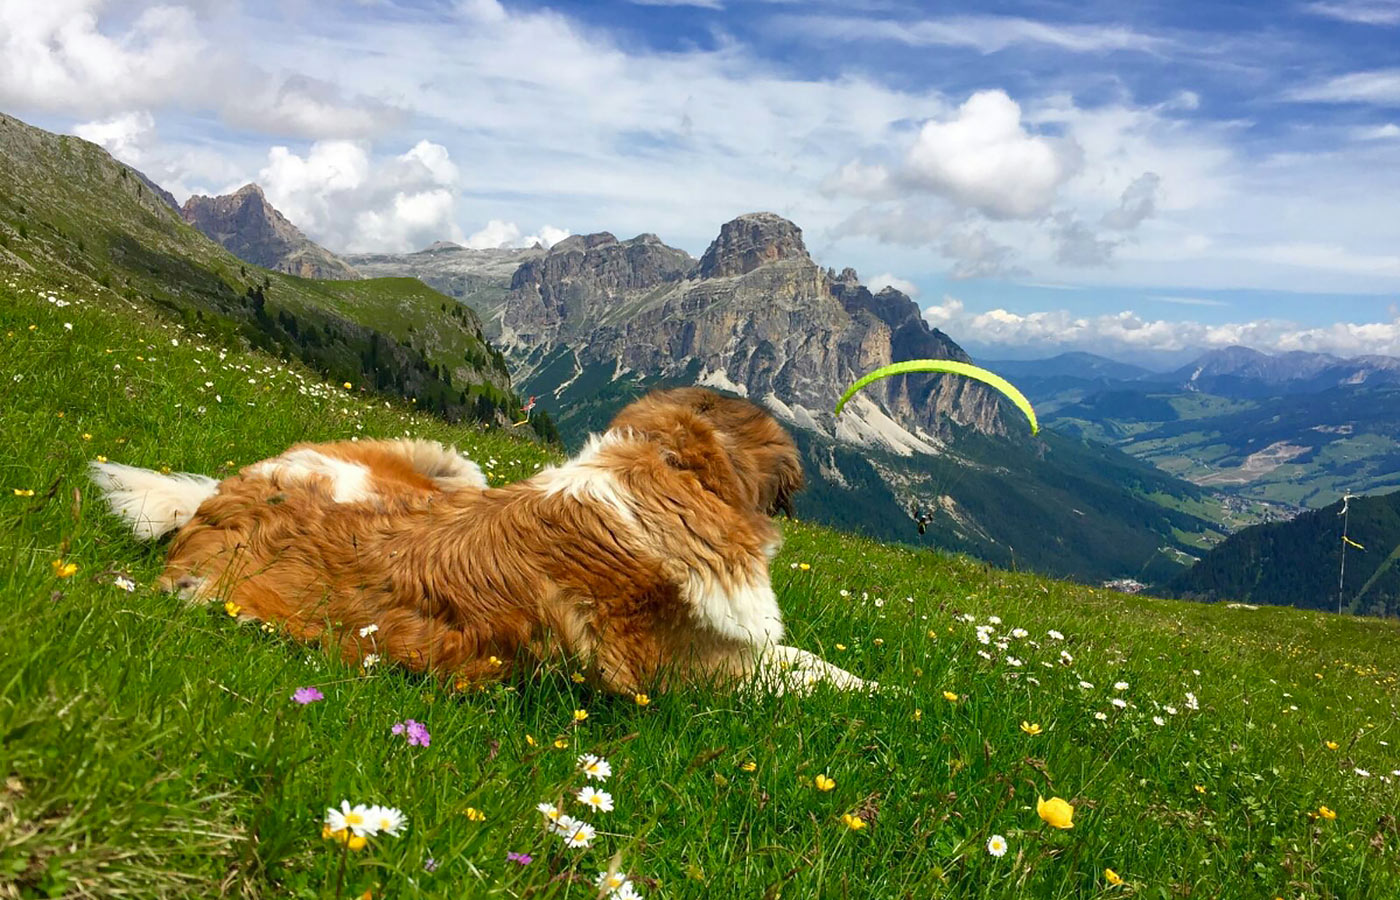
pixel 1379 86
pixel 984 158
pixel 703 4
pixel 1055 331
pixel 58 57
pixel 977 255
pixel 1076 244
pixel 497 234
pixel 127 136
pixel 1361 12
pixel 986 34
pixel 341 197
pixel 1139 201
pixel 1384 132
pixel 885 279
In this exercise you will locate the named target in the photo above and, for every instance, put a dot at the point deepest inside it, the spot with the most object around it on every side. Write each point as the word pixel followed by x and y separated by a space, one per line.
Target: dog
pixel 645 557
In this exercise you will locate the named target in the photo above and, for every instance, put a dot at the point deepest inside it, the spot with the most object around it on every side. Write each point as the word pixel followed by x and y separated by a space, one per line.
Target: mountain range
pixel 248 226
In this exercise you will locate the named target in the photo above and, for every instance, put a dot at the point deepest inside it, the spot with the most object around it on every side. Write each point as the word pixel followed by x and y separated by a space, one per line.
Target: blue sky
pixel 1125 178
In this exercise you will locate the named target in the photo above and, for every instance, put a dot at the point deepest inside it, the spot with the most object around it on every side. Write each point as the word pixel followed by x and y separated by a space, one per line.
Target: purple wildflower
pixel 307 695
pixel 430 865
pixel 416 733
pixel 523 859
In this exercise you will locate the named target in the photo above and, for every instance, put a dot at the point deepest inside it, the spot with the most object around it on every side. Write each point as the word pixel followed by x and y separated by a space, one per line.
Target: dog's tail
pixel 151 503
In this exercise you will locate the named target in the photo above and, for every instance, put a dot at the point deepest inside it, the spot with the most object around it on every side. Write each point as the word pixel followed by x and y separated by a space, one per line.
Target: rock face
pixel 748 242
pixel 251 229
pixel 755 316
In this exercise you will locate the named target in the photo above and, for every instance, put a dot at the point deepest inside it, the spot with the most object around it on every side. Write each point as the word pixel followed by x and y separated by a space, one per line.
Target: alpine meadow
pixel 699 449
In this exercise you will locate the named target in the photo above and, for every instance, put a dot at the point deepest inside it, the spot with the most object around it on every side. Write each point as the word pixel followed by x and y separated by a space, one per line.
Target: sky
pixel 1140 180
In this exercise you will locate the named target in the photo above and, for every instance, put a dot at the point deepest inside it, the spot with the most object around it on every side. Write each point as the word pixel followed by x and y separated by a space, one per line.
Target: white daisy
pixel 575 833
pixel 599 800
pixel 1159 721
pixel 611 881
pixel 1191 701
pixel 370 661
pixel 627 892
pixel 1055 634
pixel 1362 772
pixel 595 767
pixel 387 819
pixel 997 845
pixel 984 654
pixel 1019 633
pixel 1120 685
pixel 1087 685
pixel 1119 702
pixel 1171 710
pixel 124 583
pixel 368 630
pixel 1101 716
pixel 355 818
pixel 995 620
pixel 1013 661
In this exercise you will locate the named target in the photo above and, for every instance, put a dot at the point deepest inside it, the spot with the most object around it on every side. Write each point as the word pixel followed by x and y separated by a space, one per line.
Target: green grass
pixel 151 750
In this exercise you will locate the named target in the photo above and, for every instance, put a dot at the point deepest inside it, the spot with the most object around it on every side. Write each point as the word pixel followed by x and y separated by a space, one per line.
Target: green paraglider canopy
pixel 946 367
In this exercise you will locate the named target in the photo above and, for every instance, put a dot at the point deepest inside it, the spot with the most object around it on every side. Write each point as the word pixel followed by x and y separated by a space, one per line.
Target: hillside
pixel 595 320
pixel 69 210
pixel 250 228
pixel 1297 563
pixel 151 749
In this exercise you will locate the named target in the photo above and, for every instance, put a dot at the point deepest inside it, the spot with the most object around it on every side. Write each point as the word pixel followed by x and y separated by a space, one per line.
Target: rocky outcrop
pixel 748 242
pixel 756 316
pixel 250 228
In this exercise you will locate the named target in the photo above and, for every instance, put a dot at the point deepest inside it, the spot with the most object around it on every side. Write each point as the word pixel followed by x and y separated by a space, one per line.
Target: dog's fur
pixel 645 556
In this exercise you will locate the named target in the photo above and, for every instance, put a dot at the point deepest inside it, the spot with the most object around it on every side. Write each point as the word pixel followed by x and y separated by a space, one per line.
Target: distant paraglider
pixel 946 367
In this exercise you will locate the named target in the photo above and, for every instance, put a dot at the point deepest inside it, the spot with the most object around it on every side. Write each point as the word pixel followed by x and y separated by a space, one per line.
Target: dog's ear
pixel 688 443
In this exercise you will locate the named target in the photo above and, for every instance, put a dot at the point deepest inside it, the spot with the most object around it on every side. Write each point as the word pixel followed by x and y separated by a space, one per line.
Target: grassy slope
pixel 67 206
pixel 151 750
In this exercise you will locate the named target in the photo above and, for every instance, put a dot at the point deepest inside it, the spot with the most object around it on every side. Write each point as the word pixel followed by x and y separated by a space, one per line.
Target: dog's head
pixel 733 446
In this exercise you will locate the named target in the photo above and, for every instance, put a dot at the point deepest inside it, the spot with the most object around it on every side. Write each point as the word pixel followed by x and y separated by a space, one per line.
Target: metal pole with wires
pixel 1342 574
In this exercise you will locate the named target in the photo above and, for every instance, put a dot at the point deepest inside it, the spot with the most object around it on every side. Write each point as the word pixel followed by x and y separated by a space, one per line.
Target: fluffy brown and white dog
pixel 645 557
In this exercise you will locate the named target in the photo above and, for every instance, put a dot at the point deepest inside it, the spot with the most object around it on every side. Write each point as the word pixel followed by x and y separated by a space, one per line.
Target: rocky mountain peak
pixel 750 241
pixel 249 227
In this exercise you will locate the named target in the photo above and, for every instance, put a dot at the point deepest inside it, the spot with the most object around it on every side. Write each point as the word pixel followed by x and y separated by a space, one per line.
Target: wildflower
pixel 1119 702
pixel 996 846
pixel 352 818
pixel 749 766
pixel 950 696
pixel 823 783
pixel 1013 661
pixel 1120 685
pixel 86 436
pixel 348 385
pixel 416 733
pixel 1326 813
pixel 370 661
pixel 840 646
pixel 1191 701
pixel 233 609
pixel 305 695
pixel 549 811
pixel 804 566
pixel 62 569
pixel 599 800
pixel 1086 685
pixel 1056 813
pixel 578 678
pixel 561 744
pixel 1158 721
pixel 626 892
pixel 24 492
pixel 641 699
pixel 520 859
pixel 386 819
pixel 595 767
pixel 985 655
pixel 101 458
pixel 495 662
pixel 575 833
pixel 995 620
pixel 1031 728
pixel 1101 716
pixel 368 630
pixel 1112 877
pixel 1065 658
pixel 1171 710
pixel 1055 635
pixel 1332 745
pixel 580 715
pixel 855 823
pixel 611 881
pixel 1200 789
pixel 530 739
pixel 474 815
pixel 430 865
pixel 124 583
pixel 1019 633
pixel 1362 772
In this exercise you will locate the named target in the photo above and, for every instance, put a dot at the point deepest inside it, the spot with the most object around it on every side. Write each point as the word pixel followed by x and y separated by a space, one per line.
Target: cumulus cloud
pixel 976 255
pixel 1076 244
pixel 1055 331
pixel 985 159
pixel 63 57
pixel 343 198
pixel 885 279
pixel 127 136
pixel 498 234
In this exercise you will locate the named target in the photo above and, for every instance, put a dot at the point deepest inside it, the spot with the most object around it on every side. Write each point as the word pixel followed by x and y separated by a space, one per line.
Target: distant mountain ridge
pixel 250 228
pixel 594 321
